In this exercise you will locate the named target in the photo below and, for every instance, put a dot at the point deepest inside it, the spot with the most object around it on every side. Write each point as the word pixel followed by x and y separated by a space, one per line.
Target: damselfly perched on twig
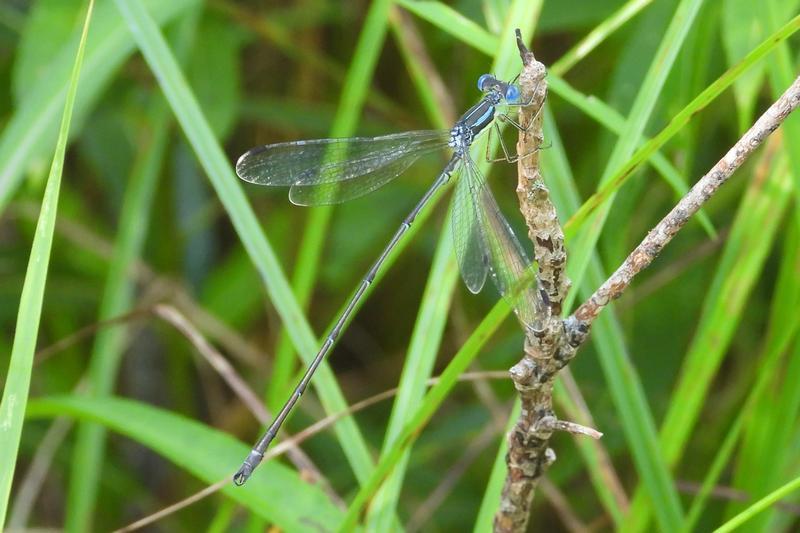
pixel 330 171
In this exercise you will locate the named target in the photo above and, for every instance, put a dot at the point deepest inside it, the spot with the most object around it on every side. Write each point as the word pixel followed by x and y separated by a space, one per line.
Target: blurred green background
pixel 703 345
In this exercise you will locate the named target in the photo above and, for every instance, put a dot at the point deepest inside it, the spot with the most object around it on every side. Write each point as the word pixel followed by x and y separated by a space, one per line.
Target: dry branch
pixel 550 347
pixel 546 351
pixel 658 237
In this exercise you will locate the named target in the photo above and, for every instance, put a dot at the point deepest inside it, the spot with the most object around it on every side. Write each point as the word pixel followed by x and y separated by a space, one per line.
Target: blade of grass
pixel 773 449
pixel 497 476
pixel 421 357
pixel 604 114
pixel 351 102
pixel 784 323
pixel 741 29
pixel 781 75
pixel 438 105
pixel 750 240
pixel 611 119
pixel 625 387
pixel 215 163
pixel 117 299
pixel 459 26
pixel 599 34
pixel 417 369
pixel 765 448
pixel 430 403
pixel 760 505
pixel 30 132
pixel 15 392
pixel 607 338
pixel 431 318
pixel 585 239
pixel 275 492
pixel 607 190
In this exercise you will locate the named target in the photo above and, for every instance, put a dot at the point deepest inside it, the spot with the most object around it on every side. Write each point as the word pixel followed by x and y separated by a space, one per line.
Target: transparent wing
pixel 511 269
pixel 309 164
pixel 334 192
pixel 467 240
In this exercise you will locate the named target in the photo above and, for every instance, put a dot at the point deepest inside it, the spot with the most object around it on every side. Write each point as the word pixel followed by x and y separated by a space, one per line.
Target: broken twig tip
pixel 524 53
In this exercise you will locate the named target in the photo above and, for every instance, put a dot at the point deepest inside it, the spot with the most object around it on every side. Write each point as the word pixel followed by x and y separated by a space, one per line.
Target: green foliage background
pixel 691 376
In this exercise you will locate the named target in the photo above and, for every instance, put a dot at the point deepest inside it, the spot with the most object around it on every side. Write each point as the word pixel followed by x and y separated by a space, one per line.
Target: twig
pixel 295 441
pixel 87 331
pixel 654 242
pixel 33 479
pixel 240 388
pixel 166 511
pixel 732 494
pixel 89 240
pixel 433 500
pixel 562 507
pixel 580 411
pixel 549 348
pixel 410 39
pixel 546 352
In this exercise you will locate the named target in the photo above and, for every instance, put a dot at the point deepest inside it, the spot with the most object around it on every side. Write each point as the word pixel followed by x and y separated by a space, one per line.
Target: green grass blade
pixel 432 401
pixel 630 401
pixel 759 506
pixel 564 194
pixel 455 24
pixel 740 31
pixel 275 492
pixel 351 102
pixel 784 323
pixel 763 461
pixel 751 238
pixel 420 361
pixel 117 299
pixel 18 379
pixel 417 369
pixel 625 386
pixel 599 34
pixel 611 119
pixel 781 75
pixel 434 108
pixel 585 239
pixel 31 131
pixel 678 121
pixel 494 487
pixel 431 319
pixel 226 184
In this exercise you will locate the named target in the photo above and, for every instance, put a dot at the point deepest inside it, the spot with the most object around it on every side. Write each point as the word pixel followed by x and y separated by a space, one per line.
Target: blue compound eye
pixel 512 94
pixel 484 82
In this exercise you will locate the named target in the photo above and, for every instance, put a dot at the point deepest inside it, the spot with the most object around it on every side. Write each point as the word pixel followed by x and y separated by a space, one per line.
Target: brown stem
pixel 546 350
pixel 550 346
pixel 703 190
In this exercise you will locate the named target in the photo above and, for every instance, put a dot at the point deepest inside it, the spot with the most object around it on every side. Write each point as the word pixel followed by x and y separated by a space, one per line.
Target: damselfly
pixel 329 171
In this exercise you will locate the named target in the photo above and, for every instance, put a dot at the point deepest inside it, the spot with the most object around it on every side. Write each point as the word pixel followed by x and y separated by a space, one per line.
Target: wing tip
pixel 243 163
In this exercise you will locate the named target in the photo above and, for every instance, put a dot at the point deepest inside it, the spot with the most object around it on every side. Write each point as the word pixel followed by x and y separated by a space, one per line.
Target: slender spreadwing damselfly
pixel 330 171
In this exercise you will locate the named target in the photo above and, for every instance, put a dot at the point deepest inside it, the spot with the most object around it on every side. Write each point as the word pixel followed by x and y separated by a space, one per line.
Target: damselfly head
pixel 509 92
pixel 487 83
